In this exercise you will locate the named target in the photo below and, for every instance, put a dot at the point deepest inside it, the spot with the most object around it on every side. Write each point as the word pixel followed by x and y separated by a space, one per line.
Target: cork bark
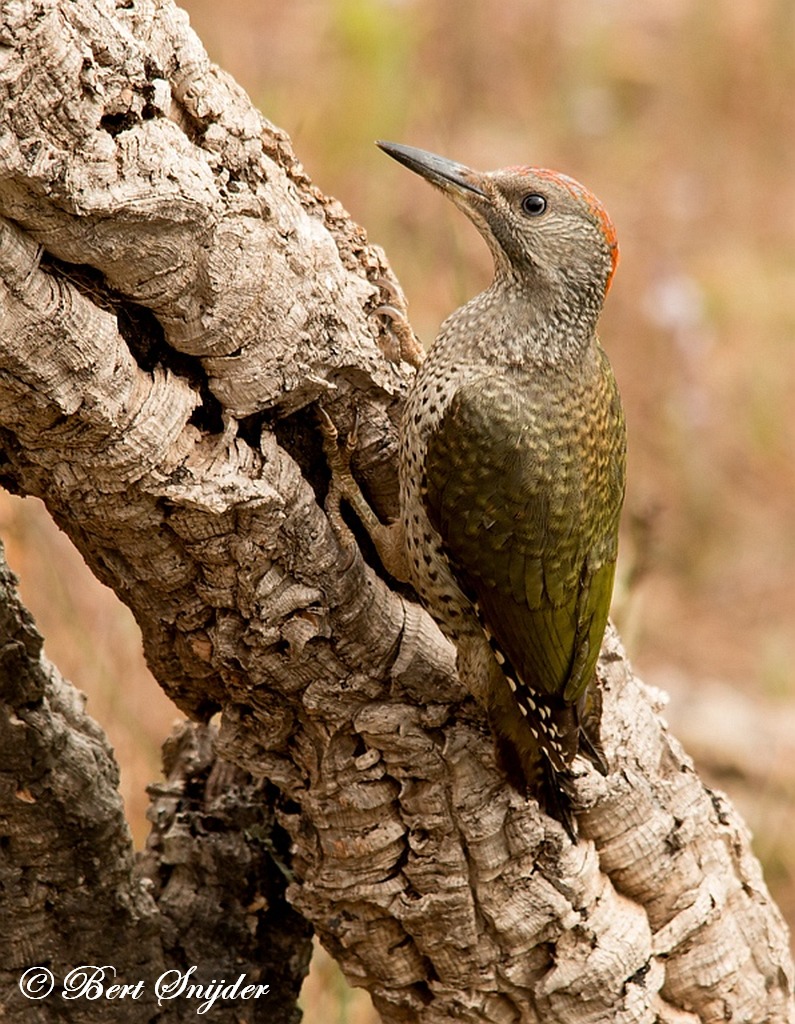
pixel 71 890
pixel 175 298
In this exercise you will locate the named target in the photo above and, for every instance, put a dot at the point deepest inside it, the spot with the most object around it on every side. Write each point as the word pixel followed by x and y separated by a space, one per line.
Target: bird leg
pixel 388 540
pixel 409 348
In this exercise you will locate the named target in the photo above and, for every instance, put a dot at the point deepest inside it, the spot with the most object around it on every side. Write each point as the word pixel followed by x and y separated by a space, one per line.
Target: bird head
pixel 544 229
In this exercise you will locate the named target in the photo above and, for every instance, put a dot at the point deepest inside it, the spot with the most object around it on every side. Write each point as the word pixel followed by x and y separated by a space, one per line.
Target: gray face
pixel 546 226
pixel 538 224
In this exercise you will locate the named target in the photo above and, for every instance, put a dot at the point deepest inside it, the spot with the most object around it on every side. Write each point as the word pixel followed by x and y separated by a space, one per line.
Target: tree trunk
pixel 176 297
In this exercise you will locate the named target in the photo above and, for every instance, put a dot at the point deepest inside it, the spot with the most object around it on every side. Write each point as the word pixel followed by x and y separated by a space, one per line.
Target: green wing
pixel 527 504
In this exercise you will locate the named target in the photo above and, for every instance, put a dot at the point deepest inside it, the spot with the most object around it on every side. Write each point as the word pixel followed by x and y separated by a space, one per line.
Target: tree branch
pixel 71 892
pixel 176 296
pixel 66 873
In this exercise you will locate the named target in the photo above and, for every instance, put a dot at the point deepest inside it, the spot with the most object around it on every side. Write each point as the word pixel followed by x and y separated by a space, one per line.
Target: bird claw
pixel 352 440
pixel 393 292
pixel 392 312
pixel 327 426
pixel 341 484
pixel 339 455
pixel 388 540
pixel 409 349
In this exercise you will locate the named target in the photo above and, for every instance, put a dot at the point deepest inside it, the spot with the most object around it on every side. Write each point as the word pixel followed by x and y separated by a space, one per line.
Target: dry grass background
pixel 680 115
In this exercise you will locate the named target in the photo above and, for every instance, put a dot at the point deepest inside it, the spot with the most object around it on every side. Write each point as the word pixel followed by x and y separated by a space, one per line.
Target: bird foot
pixel 388 540
pixel 342 483
pixel 409 348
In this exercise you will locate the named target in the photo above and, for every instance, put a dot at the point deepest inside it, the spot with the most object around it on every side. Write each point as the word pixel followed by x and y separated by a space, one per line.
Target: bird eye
pixel 534 204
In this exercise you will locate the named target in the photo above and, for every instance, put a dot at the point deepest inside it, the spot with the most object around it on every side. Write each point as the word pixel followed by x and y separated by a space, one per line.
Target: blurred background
pixel 680 116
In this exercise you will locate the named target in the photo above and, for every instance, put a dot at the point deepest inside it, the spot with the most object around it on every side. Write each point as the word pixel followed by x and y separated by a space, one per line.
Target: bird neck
pixel 514 322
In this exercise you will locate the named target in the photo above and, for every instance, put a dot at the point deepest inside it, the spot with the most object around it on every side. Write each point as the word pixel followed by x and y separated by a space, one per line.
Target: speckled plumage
pixel 512 462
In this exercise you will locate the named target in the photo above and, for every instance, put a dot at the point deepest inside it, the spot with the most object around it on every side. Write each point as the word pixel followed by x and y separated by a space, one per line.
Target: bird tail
pixel 532 774
pixel 536 755
pixel 525 755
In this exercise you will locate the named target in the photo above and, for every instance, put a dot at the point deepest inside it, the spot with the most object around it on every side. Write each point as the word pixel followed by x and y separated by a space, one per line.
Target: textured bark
pixel 70 890
pixel 176 295
pixel 215 865
pixel 66 862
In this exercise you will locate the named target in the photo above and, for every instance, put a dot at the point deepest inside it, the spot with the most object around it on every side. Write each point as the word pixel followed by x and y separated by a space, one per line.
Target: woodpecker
pixel 512 468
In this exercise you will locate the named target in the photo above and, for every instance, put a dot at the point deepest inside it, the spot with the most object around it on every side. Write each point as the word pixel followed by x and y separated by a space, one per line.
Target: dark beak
pixel 445 174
